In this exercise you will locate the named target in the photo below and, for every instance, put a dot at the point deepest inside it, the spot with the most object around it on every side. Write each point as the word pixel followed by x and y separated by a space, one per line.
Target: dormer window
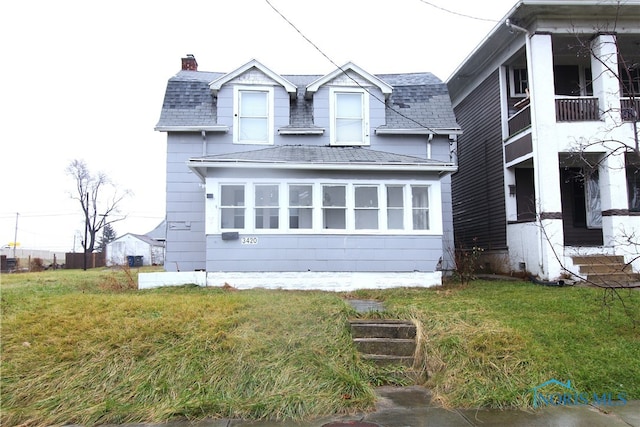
pixel 349 109
pixel 253 115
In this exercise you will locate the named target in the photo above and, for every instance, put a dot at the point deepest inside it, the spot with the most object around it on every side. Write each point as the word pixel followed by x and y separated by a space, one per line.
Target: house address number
pixel 249 240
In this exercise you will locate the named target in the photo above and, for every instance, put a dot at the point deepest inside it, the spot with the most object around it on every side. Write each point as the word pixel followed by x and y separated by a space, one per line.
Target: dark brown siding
pixel 518 148
pixel 478 186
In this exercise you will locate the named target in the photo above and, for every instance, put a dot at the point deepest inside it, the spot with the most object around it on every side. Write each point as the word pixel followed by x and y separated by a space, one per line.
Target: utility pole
pixel 15 237
pixel 86 225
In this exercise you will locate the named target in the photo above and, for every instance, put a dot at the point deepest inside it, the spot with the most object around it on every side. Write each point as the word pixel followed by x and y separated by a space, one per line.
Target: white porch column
pixel 606 85
pixel 545 156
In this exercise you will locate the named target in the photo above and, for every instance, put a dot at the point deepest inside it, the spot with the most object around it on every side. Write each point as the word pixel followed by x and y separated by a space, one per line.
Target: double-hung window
pixel 349 110
pixel 420 205
pixel 395 207
pixel 253 115
pixel 519 82
pixel 366 207
pixel 266 206
pixel 334 207
pixel 232 209
pixel 300 206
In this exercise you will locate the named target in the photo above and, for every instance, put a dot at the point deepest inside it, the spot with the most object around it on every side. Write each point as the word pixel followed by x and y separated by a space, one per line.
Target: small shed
pixel 135 250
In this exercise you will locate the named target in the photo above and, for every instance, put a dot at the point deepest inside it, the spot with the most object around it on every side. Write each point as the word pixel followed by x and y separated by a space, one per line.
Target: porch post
pixel 614 201
pixel 545 156
pixel 606 84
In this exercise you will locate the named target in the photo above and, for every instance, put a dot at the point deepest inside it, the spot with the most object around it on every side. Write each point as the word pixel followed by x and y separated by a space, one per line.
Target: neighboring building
pixel 548 164
pixel 334 181
pixel 135 250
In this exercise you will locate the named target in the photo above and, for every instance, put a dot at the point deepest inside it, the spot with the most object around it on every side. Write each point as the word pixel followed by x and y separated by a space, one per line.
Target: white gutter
pixel 215 128
pixel 419 131
pixel 442 168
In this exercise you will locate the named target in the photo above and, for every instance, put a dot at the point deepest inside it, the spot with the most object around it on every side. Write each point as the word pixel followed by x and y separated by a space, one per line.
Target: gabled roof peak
pixel 217 83
pixel 349 66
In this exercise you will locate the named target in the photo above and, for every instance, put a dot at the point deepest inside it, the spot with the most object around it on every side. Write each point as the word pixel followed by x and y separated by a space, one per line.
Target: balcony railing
pixel 520 120
pixel 630 109
pixel 577 109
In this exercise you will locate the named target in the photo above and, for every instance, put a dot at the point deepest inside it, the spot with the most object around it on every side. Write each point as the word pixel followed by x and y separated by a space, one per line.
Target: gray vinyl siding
pixel 185 242
pixel 189 102
pixel 478 186
pixel 325 253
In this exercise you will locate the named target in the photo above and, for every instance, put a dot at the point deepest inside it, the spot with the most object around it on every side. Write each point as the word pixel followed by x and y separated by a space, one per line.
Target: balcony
pixel 577 109
pixel 520 120
pixel 630 109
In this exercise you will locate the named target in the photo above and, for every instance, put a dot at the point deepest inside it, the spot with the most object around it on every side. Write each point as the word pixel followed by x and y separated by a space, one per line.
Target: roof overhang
pixel 419 131
pixel 200 165
pixel 286 84
pixel 540 16
pixel 384 87
pixel 215 128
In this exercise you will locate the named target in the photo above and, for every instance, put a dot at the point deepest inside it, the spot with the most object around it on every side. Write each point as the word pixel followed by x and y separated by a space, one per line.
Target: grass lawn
pixel 78 347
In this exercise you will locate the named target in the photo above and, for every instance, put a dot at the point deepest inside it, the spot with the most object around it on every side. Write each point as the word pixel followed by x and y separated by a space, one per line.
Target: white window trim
pixel 365 116
pixel 213 226
pixel 512 81
pixel 270 112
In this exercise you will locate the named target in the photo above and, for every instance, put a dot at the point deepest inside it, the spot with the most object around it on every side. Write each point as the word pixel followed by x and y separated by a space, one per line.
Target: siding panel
pixel 325 253
pixel 478 186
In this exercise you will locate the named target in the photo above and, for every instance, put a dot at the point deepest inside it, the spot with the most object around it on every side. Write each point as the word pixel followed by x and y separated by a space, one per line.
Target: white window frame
pixel 237 91
pixel 333 96
pixel 220 206
pixel 512 82
pixel 213 206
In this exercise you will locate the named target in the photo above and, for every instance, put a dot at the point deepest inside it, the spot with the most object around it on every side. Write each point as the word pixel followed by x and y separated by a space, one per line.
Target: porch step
pixel 597 259
pixel 385 341
pixel 382 329
pixel 605 269
pixel 614 279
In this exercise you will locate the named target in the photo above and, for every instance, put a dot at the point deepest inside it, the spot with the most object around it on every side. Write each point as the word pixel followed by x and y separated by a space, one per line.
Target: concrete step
pixel 604 268
pixel 386 346
pixel 597 259
pixel 382 329
pixel 613 279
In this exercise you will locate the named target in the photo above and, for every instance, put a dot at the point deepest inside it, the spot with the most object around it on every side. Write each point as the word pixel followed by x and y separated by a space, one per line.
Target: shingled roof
pixel 320 157
pixel 418 101
pixel 318 154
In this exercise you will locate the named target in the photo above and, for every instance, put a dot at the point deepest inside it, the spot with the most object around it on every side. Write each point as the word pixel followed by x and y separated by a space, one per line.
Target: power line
pixel 457 13
pixel 345 73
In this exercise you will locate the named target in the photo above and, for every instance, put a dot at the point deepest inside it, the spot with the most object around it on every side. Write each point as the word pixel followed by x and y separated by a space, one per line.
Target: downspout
pixel 532 110
pixel 204 142
pixel 429 145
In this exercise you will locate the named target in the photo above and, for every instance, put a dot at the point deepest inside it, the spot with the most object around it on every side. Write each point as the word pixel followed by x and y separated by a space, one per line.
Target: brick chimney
pixel 189 63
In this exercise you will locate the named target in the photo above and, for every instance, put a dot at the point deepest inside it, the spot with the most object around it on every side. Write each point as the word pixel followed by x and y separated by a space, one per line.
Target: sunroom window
pixel 349 115
pixel 334 207
pixel 232 209
pixel 266 206
pixel 420 203
pixel 300 206
pixel 253 116
pixel 366 207
pixel 325 207
pixel 395 207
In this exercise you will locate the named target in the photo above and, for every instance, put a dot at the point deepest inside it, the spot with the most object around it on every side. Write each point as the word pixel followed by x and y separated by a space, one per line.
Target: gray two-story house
pixel 336 181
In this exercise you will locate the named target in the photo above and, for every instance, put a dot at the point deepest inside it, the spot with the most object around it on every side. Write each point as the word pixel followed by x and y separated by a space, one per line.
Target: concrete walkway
pixel 412 407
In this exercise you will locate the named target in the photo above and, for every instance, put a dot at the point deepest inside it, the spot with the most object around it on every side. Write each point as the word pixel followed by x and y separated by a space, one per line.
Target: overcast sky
pixel 85 80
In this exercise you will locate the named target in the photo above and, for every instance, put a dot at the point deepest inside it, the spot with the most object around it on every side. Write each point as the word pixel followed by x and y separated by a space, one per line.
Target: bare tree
pixel 99 199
